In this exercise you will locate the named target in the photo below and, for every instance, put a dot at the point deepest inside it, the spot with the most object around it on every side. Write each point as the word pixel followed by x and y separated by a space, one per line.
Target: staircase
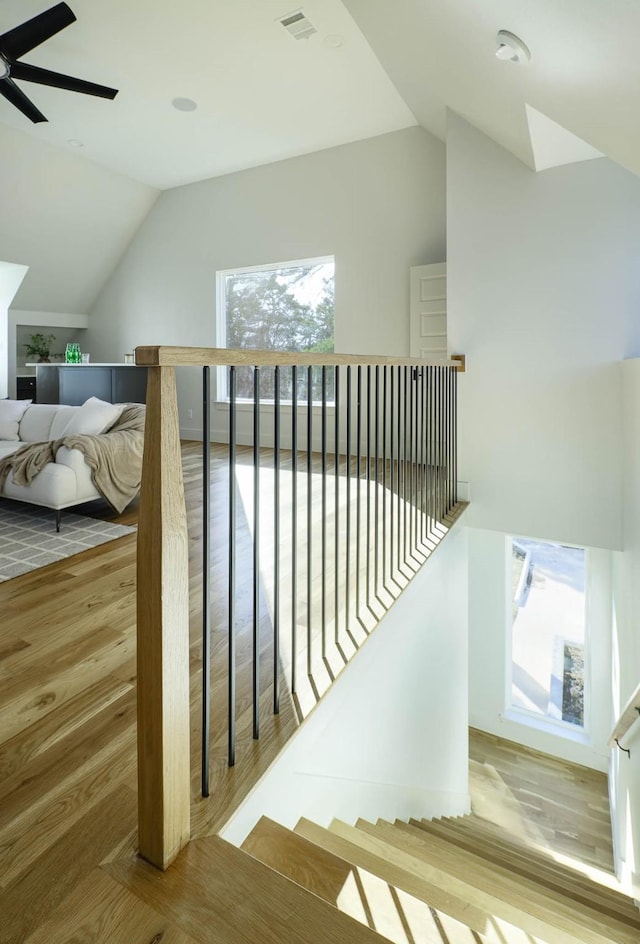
pixel 448 881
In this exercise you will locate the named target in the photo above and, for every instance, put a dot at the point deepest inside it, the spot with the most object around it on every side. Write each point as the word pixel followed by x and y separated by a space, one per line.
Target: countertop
pixel 90 364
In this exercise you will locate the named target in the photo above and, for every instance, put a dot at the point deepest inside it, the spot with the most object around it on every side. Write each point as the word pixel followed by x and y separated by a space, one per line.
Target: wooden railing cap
pixel 168 356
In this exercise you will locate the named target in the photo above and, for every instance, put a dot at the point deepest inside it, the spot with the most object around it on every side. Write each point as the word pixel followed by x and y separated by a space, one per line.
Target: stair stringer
pixel 389 739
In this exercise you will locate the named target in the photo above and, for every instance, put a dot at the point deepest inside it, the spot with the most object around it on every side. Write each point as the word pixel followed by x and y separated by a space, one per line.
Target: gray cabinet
pixel 74 383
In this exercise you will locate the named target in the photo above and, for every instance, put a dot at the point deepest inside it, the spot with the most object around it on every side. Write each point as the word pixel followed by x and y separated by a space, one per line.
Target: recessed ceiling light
pixel 73 142
pixel 184 104
pixel 511 47
pixel 333 41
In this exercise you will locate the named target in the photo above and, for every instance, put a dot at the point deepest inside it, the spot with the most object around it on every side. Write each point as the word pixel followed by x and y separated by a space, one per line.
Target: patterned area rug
pixel 28 537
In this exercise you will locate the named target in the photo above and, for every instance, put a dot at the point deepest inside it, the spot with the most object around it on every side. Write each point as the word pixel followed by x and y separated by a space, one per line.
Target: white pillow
pixel 11 412
pixel 93 417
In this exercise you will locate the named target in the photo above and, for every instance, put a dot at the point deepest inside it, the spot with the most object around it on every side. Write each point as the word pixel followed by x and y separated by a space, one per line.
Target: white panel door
pixel 428 315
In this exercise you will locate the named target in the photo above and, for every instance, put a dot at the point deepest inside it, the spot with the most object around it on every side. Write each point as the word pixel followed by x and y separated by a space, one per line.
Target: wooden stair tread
pixel 530 862
pixel 352 889
pixel 217 894
pixel 418 885
pixel 505 899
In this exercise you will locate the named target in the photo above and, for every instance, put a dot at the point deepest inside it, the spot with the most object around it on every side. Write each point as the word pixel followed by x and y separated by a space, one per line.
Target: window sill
pixel 562 729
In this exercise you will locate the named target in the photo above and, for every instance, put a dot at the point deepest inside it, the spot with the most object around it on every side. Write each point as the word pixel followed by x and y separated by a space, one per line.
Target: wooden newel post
pixel 163 632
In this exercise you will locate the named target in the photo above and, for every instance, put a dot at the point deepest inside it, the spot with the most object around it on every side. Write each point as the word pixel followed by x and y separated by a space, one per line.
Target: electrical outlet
pixel 189 414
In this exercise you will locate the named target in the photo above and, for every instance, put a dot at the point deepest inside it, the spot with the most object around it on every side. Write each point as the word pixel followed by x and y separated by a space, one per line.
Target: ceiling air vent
pixel 298 25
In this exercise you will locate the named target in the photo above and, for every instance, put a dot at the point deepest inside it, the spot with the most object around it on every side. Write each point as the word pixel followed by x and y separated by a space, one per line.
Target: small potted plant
pixel 39 346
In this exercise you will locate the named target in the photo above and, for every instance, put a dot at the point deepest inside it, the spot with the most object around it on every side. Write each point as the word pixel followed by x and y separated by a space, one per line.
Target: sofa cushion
pixel 36 424
pixel 93 417
pixel 11 412
pixel 61 421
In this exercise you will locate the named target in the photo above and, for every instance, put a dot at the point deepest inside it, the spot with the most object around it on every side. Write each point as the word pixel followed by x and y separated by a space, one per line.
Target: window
pixel 548 631
pixel 288 306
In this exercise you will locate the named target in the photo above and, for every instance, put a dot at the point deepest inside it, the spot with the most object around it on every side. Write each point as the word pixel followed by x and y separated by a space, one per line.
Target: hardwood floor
pixel 67 704
pixel 68 870
pixel 555 806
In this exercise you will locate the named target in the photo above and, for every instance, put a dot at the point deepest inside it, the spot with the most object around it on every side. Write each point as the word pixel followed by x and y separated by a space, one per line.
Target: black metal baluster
pixel 309 508
pixel 423 455
pixel 256 553
pixel 449 458
pixel 392 471
pixel 399 472
pixel 206 578
pixel 347 595
pixel 384 476
pixel 376 491
pixel 433 432
pixel 411 462
pixel 439 454
pixel 368 570
pixel 419 469
pixel 405 453
pixel 416 456
pixel 276 542
pixel 323 571
pixel 455 436
pixel 231 609
pixel 294 528
pixel 358 482
pixel 336 533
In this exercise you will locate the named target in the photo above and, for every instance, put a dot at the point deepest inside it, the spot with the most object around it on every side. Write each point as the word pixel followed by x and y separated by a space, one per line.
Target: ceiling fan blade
pixel 13 94
pixel 35 31
pixel 20 70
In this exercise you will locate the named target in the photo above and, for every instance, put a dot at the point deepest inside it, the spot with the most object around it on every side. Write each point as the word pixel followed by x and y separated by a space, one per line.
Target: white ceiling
pixel 584 72
pixel 264 96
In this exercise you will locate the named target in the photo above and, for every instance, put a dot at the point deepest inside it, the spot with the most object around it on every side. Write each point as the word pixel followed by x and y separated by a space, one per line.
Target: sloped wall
pixel 69 220
pixel 390 737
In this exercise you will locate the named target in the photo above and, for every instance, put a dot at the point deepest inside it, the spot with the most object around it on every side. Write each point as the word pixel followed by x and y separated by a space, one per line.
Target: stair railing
pixel 368 447
pixel 627 719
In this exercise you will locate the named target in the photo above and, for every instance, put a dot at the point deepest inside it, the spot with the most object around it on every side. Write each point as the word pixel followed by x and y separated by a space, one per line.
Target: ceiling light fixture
pixel 511 47
pixel 184 104
pixel 4 68
pixel 73 142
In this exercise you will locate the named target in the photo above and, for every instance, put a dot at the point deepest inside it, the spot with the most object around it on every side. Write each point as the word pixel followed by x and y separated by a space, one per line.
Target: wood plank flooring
pixel 67 733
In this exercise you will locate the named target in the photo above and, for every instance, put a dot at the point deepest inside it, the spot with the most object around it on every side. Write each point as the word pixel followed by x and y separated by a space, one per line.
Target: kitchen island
pixel 72 384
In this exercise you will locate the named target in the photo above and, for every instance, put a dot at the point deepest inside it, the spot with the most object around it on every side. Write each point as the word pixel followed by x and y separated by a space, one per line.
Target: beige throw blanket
pixel 115 458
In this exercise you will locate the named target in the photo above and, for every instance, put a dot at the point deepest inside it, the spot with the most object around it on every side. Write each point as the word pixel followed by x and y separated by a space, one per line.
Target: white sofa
pixel 61 483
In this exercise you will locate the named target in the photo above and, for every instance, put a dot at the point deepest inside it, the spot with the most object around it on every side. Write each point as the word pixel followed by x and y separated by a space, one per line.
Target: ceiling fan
pixel 23 39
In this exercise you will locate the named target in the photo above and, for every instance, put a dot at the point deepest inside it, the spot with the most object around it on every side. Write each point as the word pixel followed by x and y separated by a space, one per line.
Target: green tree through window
pixel 286 307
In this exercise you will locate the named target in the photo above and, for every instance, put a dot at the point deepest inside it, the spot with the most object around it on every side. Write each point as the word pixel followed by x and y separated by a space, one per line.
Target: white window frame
pixel 221 392
pixel 526 716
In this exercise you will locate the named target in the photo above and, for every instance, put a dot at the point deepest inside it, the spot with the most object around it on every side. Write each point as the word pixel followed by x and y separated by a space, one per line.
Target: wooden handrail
pixel 163 356
pixel 627 717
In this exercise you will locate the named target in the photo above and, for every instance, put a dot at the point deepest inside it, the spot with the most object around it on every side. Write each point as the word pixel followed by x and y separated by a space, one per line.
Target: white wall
pixel 48 322
pixel 377 205
pixel 543 295
pixel 390 737
pixel 66 218
pixel 624 774
pixel 11 276
pixel 489 609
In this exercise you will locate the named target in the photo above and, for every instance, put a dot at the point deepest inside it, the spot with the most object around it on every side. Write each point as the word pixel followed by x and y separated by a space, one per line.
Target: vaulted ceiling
pixel 371 67
pixel 75 188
